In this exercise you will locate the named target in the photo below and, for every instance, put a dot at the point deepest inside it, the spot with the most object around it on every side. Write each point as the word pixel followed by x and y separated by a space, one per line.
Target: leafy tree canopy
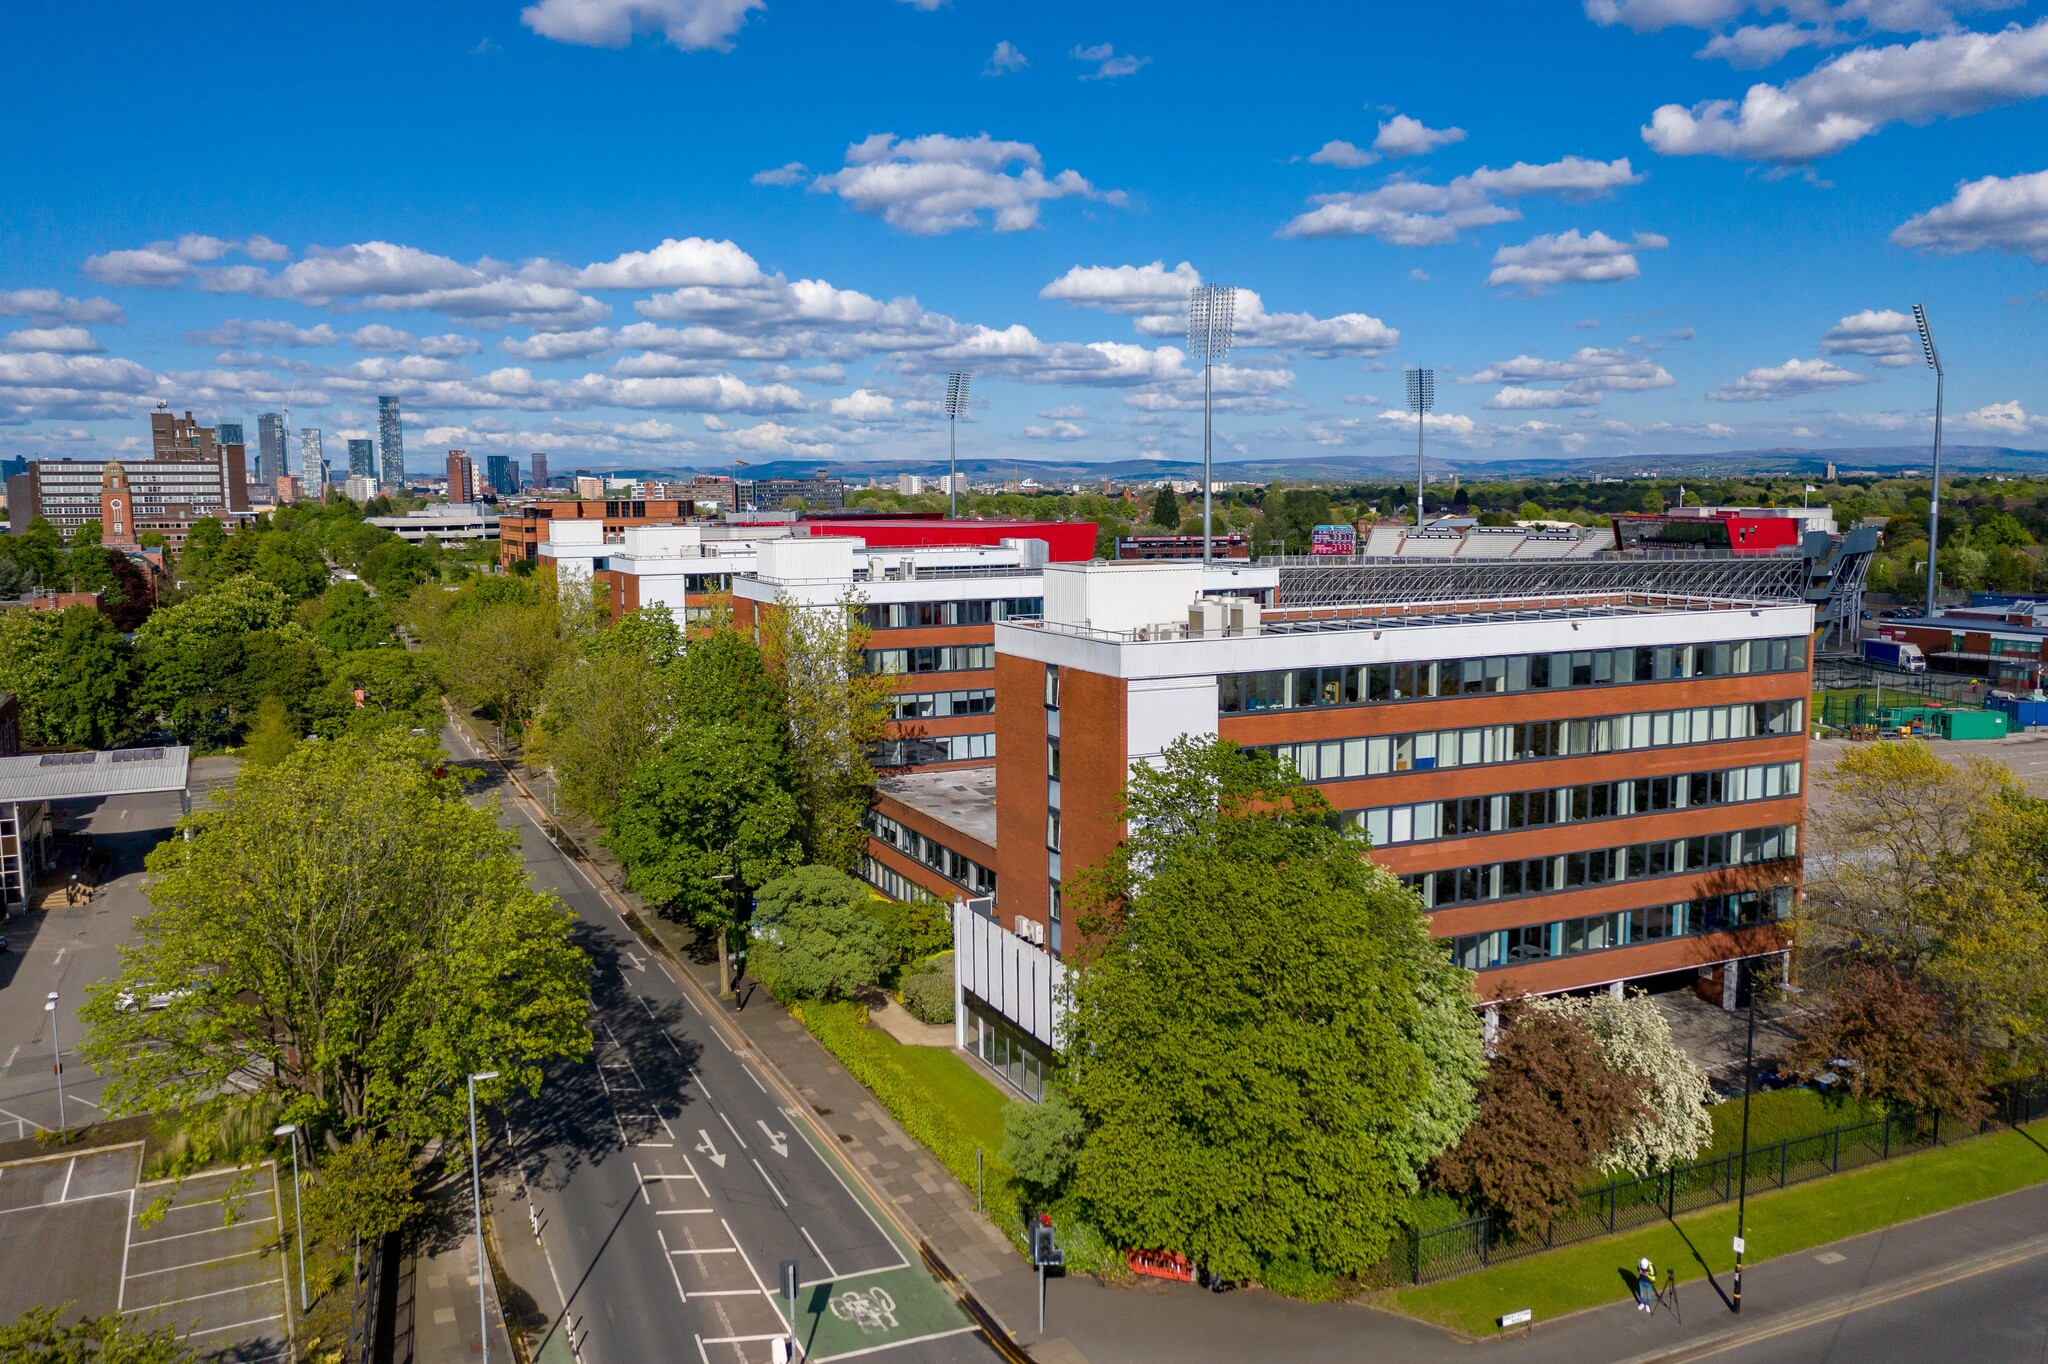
pixel 1635 1039
pixel 1903 1048
pixel 814 937
pixel 1265 1042
pixel 41 1335
pixel 344 933
pixel 73 674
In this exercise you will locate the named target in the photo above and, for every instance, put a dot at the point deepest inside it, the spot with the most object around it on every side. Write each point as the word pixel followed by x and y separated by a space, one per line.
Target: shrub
pixel 1041 1141
pixel 928 993
pixel 814 937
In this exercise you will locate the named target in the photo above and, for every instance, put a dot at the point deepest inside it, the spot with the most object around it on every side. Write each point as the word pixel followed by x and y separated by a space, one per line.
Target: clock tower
pixel 117 507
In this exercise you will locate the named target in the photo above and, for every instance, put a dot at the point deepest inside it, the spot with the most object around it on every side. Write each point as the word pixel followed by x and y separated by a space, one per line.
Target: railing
pixel 366 1306
pixel 1463 1247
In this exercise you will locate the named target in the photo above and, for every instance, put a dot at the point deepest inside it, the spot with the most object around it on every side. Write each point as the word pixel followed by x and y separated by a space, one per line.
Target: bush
pixel 917 928
pixel 1041 1141
pixel 928 993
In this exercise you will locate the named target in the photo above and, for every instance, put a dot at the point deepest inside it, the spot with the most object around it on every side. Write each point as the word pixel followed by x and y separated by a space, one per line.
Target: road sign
pixel 1738 1245
pixel 1521 1318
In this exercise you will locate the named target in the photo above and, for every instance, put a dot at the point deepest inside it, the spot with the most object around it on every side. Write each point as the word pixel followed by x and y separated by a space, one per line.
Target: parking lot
pixel 201 1257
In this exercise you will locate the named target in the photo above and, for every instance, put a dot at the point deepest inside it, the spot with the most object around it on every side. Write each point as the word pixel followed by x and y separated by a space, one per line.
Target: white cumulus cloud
pixel 57 340
pixel 1343 155
pixel 1005 59
pixel 47 305
pixel 863 405
pixel 936 183
pixel 1992 214
pixel 1414 213
pixel 1792 379
pixel 1108 65
pixel 1405 136
pixel 1545 261
pixel 1885 335
pixel 688 24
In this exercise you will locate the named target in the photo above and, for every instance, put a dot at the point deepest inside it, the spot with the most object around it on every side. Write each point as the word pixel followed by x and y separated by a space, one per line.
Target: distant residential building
pixel 362 459
pixel 538 462
pixel 461 477
pixel 359 488
pixel 391 441
pixel 766 494
pixel 289 489
pixel 589 488
pixel 165 496
pixel 269 448
pixel 910 485
pixel 312 461
pixel 502 473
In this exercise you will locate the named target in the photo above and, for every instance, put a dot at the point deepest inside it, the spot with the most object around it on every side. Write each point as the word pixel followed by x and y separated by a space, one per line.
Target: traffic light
pixel 1045 1250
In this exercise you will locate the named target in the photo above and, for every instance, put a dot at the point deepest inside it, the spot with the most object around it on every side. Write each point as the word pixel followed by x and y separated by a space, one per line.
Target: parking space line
pixel 708 1250
pixel 725 1293
pixel 127 1239
pixel 200 1297
pixel 669 1260
pixel 69 1170
pixel 82 1198
pixel 680 1212
pixel 740 1340
pixel 203 1231
pixel 771 1183
pixel 748 1261
pixel 195 1264
pixel 236 1326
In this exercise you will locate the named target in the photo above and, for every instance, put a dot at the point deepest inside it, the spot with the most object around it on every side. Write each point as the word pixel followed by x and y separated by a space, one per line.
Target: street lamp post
pixel 1421 398
pixel 1212 322
pixel 956 403
pixel 291 1129
pixel 476 1190
pixel 1934 490
pixel 56 1060
pixel 1748 1084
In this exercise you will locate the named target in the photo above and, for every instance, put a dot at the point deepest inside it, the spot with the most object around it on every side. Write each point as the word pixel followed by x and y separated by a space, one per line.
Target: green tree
pixel 499 656
pixel 1904 1049
pixel 1262 1027
pixel 272 737
pixel 375 689
pixel 39 550
pixel 1550 1105
pixel 15 580
pixel 1041 1142
pixel 366 1191
pixel 73 674
pixel 814 938
pixel 837 711
pixel 605 706
pixel 1165 508
pixel 350 618
pixel 344 934
pixel 701 822
pixel 40 1335
pixel 194 656
pixel 1999 528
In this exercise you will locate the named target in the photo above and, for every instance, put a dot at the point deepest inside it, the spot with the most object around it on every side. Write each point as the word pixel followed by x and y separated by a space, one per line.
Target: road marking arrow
pixel 706 1148
pixel 635 959
pixel 777 1141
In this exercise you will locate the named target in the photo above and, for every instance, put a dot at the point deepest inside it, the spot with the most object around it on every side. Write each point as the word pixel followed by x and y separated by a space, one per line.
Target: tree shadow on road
pixel 639 1067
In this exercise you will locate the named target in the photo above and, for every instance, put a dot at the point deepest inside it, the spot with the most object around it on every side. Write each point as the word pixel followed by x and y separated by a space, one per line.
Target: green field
pixel 1591 1275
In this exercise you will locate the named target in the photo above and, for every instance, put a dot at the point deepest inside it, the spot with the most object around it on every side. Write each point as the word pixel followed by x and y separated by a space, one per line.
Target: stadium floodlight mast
pixel 1421 398
pixel 956 403
pixel 1934 494
pixel 1212 310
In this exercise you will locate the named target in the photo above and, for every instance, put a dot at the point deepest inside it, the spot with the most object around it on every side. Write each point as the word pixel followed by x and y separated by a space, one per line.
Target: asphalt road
pixel 64 950
pixel 2001 1314
pixel 670 1180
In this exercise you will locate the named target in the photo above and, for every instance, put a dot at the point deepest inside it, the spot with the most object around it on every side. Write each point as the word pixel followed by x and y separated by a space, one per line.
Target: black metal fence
pixel 1446 1252
pixel 367 1305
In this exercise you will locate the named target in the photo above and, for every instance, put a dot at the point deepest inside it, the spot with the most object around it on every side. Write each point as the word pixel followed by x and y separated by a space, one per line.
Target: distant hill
pixel 1787 461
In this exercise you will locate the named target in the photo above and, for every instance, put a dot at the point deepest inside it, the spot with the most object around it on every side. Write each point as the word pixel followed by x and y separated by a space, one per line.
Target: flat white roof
pixel 31 777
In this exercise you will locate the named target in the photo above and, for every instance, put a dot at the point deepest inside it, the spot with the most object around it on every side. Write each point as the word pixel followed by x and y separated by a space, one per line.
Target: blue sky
pixel 682 232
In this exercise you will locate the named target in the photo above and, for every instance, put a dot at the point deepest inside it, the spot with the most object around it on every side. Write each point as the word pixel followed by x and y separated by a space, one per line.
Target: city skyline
pixel 1715 245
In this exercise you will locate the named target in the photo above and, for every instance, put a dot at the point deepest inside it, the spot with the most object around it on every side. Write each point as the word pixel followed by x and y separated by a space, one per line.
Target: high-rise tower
pixel 391 435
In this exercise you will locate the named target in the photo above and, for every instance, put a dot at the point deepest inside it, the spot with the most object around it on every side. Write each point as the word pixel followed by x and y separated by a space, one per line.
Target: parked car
pixel 147 999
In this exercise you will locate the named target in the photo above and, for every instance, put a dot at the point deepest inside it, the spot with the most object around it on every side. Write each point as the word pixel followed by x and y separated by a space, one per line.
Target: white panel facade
pixel 1021 982
pixel 1161 710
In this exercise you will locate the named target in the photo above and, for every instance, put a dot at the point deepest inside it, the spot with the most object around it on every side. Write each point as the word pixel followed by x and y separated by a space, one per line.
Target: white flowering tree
pixel 1636 1040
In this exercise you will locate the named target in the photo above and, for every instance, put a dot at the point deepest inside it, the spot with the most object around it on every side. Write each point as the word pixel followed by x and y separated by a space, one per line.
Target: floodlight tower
pixel 956 403
pixel 1212 312
pixel 1421 398
pixel 1934 494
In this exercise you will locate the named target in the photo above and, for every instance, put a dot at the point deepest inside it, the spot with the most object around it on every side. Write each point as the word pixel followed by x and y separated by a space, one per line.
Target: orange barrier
pixel 1161 1264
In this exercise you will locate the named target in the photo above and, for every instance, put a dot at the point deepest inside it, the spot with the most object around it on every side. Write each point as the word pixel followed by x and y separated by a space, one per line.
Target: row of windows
pixel 891 882
pixel 1298 688
pixel 1569 804
pixel 1340 759
pixel 1600 866
pixel 978 879
pixel 1598 932
pixel 925 615
pixel 932 658
pixel 932 748
pixel 937 705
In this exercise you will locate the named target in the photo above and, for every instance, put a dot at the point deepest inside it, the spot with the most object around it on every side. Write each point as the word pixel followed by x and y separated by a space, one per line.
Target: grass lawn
pixel 1780 1115
pixel 1813 1214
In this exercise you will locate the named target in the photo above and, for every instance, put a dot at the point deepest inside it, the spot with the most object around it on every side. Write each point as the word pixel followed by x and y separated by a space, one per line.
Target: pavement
pixel 646 1200
pixel 1826 1303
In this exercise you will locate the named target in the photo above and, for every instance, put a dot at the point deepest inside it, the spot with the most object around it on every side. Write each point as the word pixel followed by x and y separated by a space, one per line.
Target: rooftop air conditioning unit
pixel 1024 928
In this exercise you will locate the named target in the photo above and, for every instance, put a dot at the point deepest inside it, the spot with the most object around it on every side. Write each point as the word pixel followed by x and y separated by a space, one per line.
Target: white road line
pixel 204 1231
pixel 82 1198
pixel 755 1078
pixel 730 1128
pixel 236 1326
pixel 834 1169
pixel 709 1250
pixel 200 1297
pixel 643 1184
pixel 127 1233
pixel 69 1170
pixel 680 1212
pixel 771 1183
pixel 667 1257
pixel 857 1274
pixel 820 1254
pixel 195 1264
pixel 724 1293
pixel 741 1340
pixel 897 1344
pixel 700 1349
pixel 748 1261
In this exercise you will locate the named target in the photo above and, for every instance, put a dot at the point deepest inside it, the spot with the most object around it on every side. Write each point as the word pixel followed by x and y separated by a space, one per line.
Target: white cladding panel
pixel 576 532
pixel 819 556
pixel 1160 710
pixel 1126 596
pixel 652 541
pixel 1021 982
